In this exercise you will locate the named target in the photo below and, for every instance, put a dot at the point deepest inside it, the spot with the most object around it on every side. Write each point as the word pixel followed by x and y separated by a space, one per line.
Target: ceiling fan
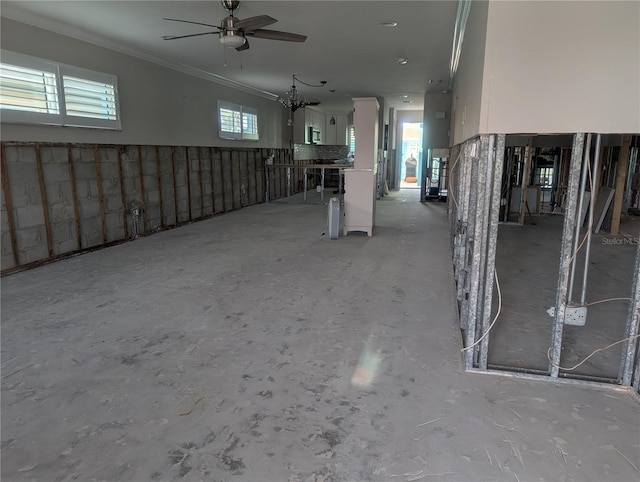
pixel 233 32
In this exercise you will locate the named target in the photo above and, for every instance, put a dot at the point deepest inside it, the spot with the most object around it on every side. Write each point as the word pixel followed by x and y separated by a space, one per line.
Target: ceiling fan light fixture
pixel 232 41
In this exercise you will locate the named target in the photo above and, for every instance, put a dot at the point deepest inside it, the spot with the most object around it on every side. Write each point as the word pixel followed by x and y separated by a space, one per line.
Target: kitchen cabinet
pixel 329 134
pixel 336 133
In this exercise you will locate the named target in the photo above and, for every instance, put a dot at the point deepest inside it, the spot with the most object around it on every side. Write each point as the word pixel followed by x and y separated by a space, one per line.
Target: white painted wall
pixel 467 90
pixel 561 67
pixel 436 130
pixel 159 106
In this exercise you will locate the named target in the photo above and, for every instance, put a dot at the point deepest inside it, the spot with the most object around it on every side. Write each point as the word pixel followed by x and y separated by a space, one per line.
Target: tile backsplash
pixel 306 152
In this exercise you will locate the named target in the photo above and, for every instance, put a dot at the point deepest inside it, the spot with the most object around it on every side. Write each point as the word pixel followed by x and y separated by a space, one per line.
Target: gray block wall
pixel 60 199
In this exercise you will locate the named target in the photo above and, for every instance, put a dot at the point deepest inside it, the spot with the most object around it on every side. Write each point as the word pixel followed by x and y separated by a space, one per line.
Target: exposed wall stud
pixel 175 187
pixel 103 221
pixel 143 206
pixel 123 195
pixel 188 172
pixel 213 189
pixel 200 182
pixel 44 201
pixel 159 174
pixel 8 203
pixel 566 252
pixel 223 183
pixel 621 173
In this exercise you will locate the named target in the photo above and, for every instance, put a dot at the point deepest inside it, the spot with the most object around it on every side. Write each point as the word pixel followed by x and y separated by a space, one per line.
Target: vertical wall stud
pixel 44 201
pixel 632 328
pixel 497 153
pixel 103 221
pixel 8 203
pixel 566 251
pixel 123 196
pixel 200 182
pixel 159 173
pixel 255 176
pixel 213 190
pixel 188 162
pixel 233 181
pixel 74 194
pixel 143 201
pixel 224 185
pixel 621 174
pixel 175 187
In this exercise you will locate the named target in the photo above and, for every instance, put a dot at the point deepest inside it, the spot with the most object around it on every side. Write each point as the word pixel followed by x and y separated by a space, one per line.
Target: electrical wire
pixel 592 353
pixel 608 299
pixel 495 272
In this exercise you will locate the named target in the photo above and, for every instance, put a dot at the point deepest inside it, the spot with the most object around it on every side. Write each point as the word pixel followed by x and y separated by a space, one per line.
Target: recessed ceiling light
pixel 405 96
pixel 434 81
pixel 402 61
pixel 390 23
pixel 406 102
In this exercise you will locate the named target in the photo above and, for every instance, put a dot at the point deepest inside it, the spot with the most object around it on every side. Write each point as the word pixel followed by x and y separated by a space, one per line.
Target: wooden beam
pixel 143 204
pixel 200 182
pixel 224 187
pixel 44 202
pixel 186 153
pixel 213 197
pixel 123 196
pixel 621 178
pixel 233 181
pixel 159 173
pixel 103 221
pixel 8 203
pixel 255 176
pixel 74 195
pixel 175 188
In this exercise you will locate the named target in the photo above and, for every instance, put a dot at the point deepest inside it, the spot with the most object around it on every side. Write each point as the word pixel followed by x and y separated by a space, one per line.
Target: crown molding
pixel 13 12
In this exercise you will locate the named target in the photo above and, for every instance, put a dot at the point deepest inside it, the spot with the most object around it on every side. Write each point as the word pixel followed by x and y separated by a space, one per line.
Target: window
pixel 237 121
pixel 37 91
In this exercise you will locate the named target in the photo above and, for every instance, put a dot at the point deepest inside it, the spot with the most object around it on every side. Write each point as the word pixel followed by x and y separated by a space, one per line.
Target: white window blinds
pixel 41 92
pixel 237 121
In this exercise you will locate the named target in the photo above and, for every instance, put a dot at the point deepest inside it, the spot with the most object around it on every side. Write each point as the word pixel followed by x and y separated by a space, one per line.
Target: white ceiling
pixel 346 45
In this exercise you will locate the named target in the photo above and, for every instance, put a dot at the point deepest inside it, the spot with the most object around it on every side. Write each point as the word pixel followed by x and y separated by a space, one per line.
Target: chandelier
pixel 293 101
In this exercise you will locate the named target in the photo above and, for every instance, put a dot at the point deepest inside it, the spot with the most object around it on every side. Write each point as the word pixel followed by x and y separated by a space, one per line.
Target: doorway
pixel 410 155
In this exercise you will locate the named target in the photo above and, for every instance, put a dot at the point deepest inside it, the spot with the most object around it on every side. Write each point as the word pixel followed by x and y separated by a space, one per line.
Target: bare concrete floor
pixel 528 259
pixel 250 348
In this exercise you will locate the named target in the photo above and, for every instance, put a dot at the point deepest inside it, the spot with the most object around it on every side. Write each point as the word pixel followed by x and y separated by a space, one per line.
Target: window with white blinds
pixel 38 91
pixel 237 121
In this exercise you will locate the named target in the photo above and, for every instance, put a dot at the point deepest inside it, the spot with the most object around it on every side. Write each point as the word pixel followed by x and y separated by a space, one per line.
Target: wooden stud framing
pixel 255 176
pixel 43 200
pixel 123 196
pixel 103 221
pixel 233 181
pixel 526 170
pixel 159 174
pixel 175 187
pixel 224 186
pixel 621 175
pixel 213 197
pixel 201 182
pixel 186 154
pixel 8 203
pixel 143 204
pixel 74 195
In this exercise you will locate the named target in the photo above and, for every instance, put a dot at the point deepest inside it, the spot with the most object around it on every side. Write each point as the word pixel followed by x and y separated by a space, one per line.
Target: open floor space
pixel 250 347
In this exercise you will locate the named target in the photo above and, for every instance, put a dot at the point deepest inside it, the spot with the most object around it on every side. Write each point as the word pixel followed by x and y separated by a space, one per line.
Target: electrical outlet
pixel 575 315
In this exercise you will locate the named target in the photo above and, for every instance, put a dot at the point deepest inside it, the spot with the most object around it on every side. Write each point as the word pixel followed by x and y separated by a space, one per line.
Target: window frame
pixel 244 112
pixel 60 71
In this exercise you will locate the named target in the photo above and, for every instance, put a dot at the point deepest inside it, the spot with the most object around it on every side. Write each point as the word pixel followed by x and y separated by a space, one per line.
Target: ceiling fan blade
pixel 276 35
pixel 174 37
pixel 244 46
pixel 254 23
pixel 313 102
pixel 189 21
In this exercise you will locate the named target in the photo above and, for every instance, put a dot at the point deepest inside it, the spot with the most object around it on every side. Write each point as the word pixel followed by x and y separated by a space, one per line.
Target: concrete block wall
pixel 60 199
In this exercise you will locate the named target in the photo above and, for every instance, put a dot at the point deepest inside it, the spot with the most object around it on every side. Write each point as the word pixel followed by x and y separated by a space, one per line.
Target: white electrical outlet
pixel 575 315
